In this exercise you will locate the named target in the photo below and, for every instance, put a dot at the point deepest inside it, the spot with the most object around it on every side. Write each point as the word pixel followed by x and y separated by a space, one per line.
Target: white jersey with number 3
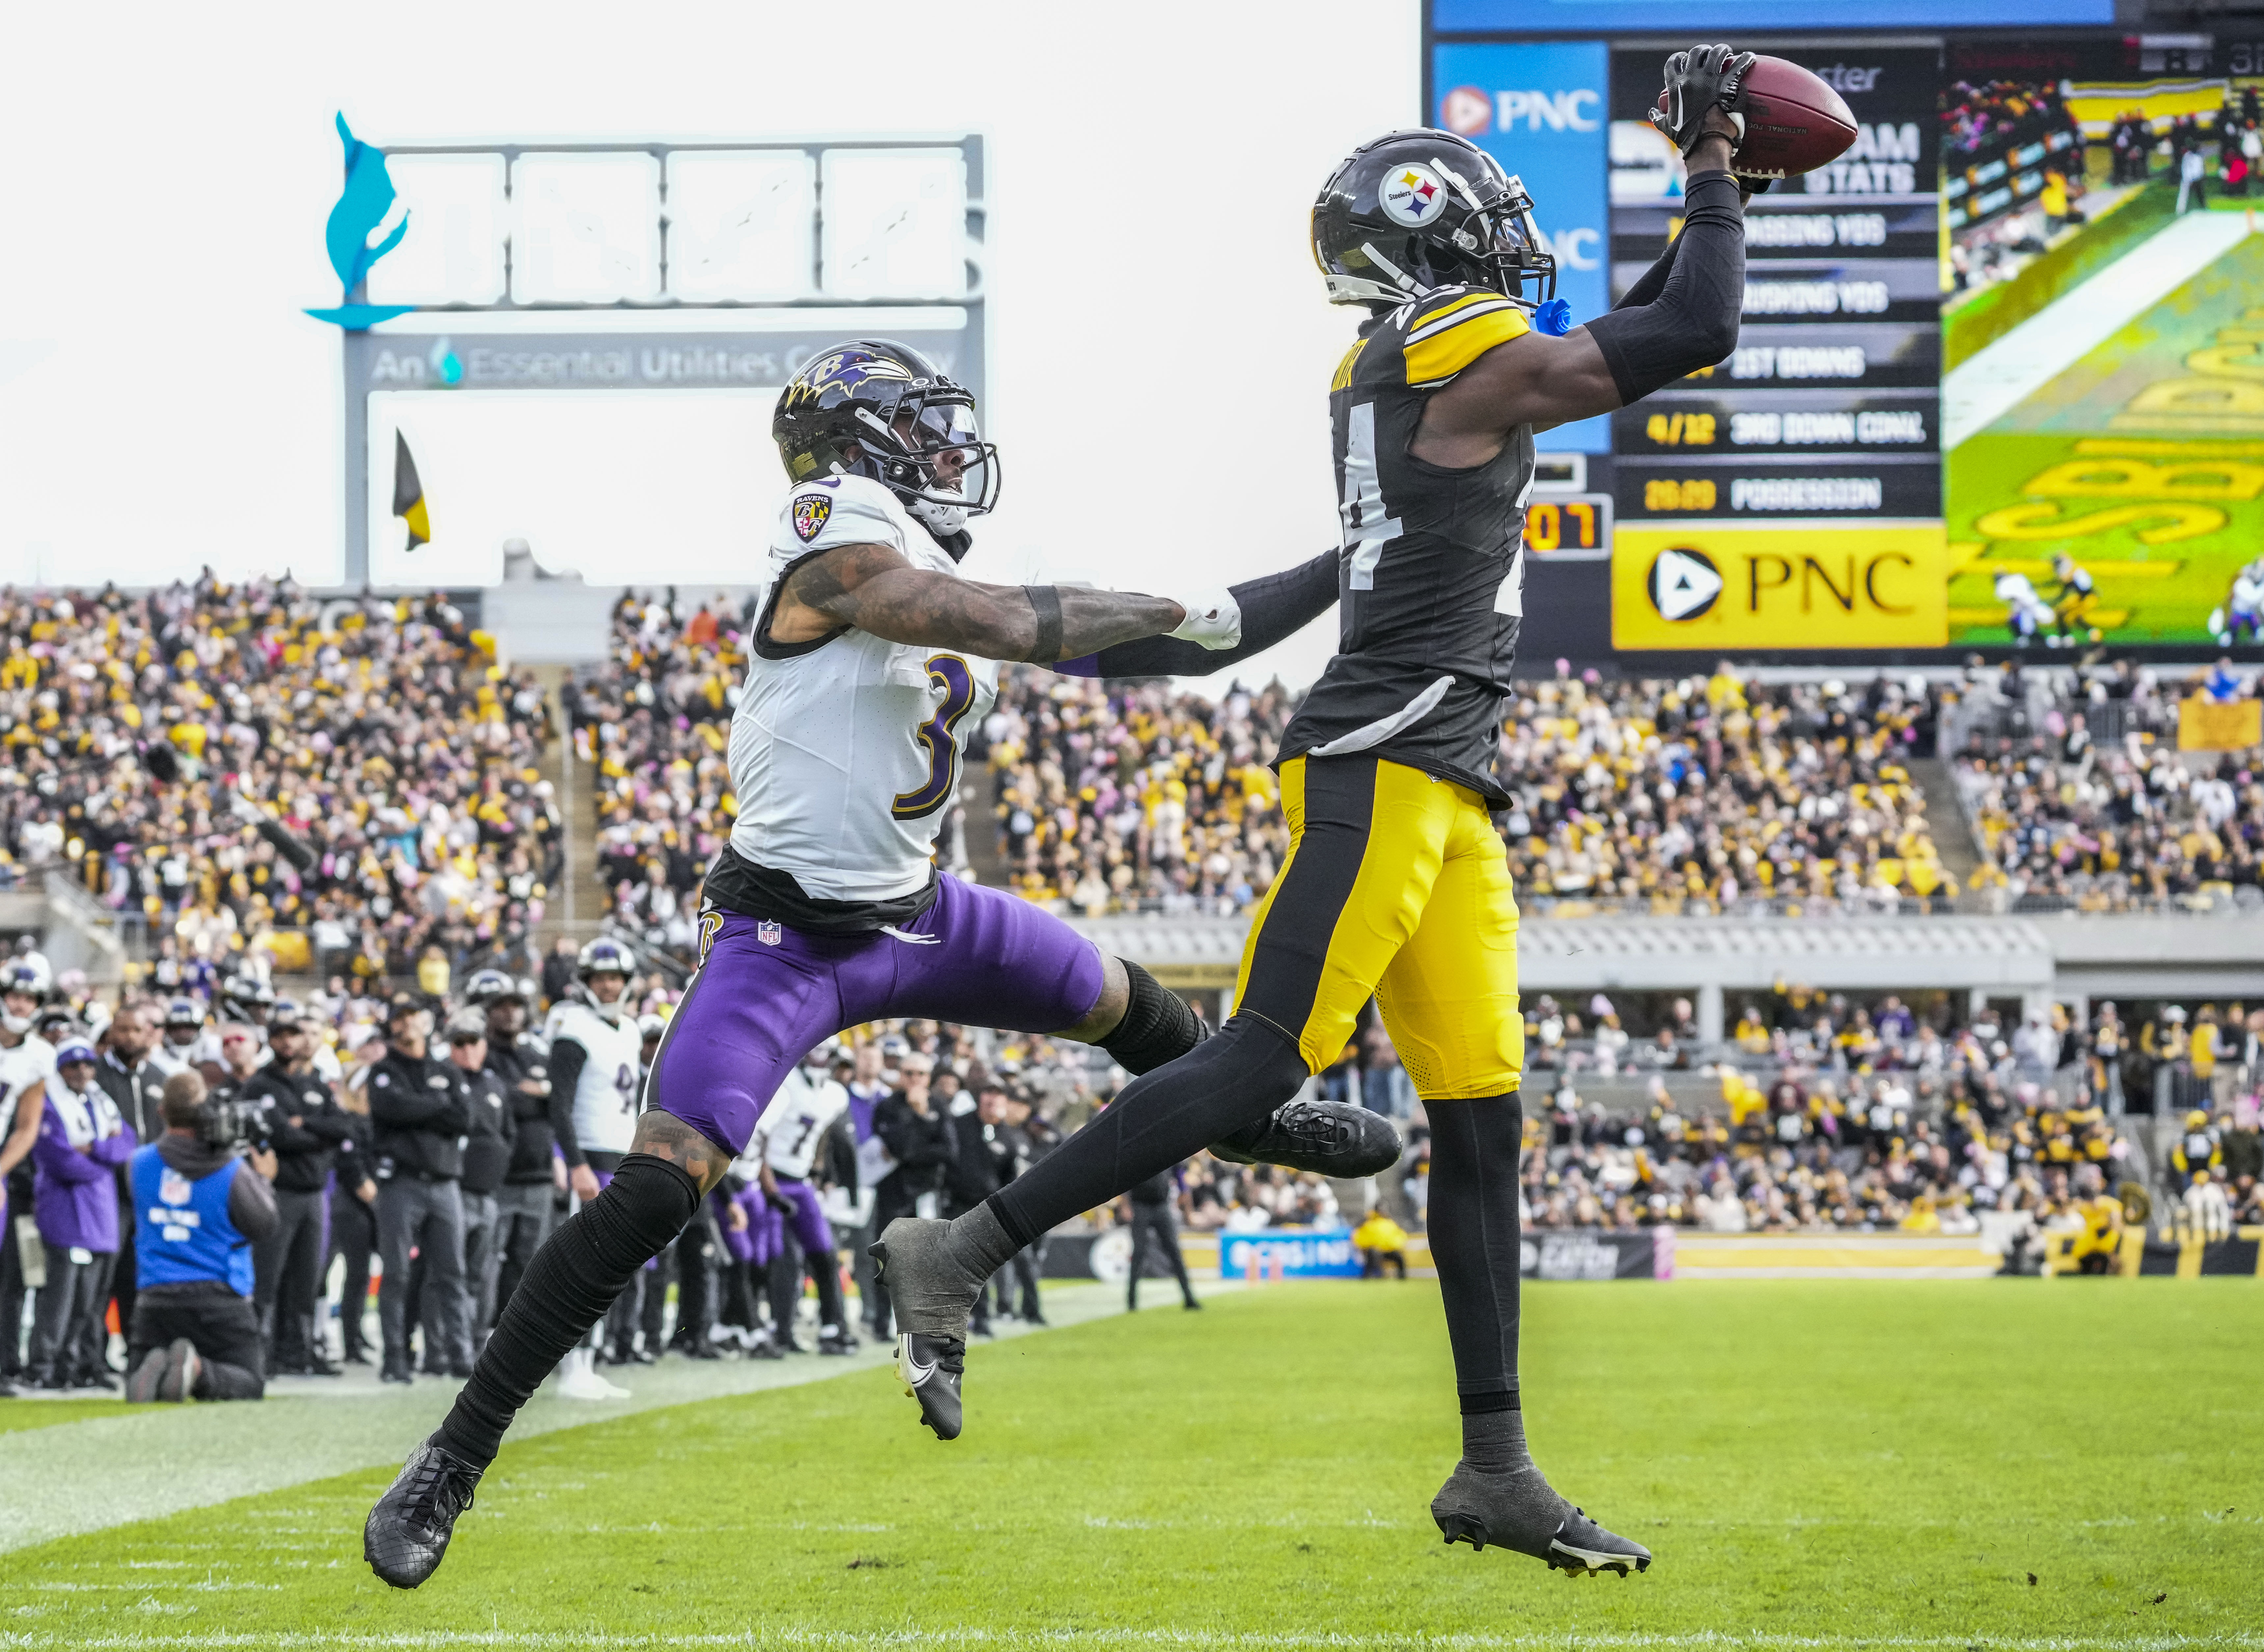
pixel 845 751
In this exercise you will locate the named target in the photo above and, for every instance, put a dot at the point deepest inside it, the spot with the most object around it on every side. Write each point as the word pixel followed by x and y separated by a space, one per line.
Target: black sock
pixel 1222 1083
pixel 573 1279
pixel 1475 1243
pixel 1493 1442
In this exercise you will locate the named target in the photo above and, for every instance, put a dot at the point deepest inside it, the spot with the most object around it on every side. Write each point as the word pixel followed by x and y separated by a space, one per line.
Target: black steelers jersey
pixel 1431 581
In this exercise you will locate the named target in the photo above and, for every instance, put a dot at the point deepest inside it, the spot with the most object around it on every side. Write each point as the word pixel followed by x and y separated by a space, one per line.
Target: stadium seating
pixel 380 732
pixel 1703 794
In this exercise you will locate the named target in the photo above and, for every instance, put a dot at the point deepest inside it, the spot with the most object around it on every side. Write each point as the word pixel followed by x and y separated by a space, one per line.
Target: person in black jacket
pixel 981 1163
pixel 137 1084
pixel 353 1216
pixel 525 1201
pixel 919 1143
pixel 488 1154
pixel 419 1122
pixel 303 1123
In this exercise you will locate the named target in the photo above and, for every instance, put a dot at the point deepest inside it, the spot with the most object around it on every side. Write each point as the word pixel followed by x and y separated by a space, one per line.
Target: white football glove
pixel 1213 619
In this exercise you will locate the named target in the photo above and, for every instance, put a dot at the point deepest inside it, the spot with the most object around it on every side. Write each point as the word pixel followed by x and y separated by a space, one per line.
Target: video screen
pixel 1999 383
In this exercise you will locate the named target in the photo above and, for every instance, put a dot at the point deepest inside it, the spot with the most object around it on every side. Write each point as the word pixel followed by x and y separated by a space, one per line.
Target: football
pixel 1794 122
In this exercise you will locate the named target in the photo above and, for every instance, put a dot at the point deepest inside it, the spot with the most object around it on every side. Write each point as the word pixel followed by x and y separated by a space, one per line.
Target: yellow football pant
pixel 1397 884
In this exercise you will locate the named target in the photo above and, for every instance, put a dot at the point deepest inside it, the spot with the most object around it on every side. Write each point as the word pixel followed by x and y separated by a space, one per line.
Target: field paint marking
pixel 106 1472
pixel 756 1638
pixel 1984 387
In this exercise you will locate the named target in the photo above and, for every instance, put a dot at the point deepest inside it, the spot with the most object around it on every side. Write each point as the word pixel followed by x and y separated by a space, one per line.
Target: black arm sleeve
pixel 1692 323
pixel 1274 606
pixel 567 1060
pixel 1647 285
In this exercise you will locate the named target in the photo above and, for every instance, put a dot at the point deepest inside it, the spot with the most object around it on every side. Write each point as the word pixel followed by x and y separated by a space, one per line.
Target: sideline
pixel 1986 387
pixel 99 1473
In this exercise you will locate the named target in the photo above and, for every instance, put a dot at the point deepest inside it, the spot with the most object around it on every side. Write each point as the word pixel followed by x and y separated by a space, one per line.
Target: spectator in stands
pixel 380 733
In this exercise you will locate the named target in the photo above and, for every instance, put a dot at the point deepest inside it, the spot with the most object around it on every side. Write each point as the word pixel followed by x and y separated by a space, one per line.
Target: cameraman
pixel 420 1121
pixel 299 1118
pixel 201 1205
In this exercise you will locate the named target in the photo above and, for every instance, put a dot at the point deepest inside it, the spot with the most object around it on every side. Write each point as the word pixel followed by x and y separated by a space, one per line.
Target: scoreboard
pixel 1790 497
pixel 1830 409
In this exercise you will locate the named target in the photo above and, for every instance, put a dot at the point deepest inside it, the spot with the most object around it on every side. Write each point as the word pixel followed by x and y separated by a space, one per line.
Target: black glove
pixel 1704 77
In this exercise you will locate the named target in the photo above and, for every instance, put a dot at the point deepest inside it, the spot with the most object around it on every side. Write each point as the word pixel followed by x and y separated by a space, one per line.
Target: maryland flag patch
pixel 810 513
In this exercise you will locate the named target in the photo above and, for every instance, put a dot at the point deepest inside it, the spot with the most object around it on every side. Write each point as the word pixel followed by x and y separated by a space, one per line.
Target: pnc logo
pixel 1468 110
pixel 1683 584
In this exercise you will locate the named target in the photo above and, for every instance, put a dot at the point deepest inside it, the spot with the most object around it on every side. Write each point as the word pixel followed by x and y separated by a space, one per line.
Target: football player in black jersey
pixel 1397 884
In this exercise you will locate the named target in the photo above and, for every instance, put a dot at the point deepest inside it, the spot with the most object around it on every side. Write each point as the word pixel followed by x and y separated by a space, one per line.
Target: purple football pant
pixel 765 996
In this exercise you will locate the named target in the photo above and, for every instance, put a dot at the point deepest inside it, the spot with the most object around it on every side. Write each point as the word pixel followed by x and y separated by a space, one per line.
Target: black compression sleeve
pixel 567 1060
pixel 1274 606
pixel 1649 283
pixel 1693 321
pixel 1158 1025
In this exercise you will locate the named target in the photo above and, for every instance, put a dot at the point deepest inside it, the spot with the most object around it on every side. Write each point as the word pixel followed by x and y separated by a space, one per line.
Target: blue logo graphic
pixel 446 369
pixel 362 207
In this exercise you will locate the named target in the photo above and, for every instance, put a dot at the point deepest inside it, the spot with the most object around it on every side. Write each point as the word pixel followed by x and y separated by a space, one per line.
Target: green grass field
pixel 2074 1464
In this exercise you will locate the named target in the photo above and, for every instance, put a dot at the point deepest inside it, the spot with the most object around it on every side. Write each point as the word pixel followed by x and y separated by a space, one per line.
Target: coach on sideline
pixel 199 1207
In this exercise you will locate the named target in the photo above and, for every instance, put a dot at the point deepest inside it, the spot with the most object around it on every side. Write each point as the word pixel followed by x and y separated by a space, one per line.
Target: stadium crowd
pixel 1837 1115
pixel 144 738
pixel 2065 819
pixel 1708 791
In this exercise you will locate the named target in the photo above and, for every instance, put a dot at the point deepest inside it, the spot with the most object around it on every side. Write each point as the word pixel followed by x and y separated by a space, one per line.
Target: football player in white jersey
pixel 595 1058
pixel 872 657
pixel 789 1136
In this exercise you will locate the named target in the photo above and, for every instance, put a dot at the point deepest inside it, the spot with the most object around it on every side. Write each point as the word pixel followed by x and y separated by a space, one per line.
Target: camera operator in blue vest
pixel 202 1198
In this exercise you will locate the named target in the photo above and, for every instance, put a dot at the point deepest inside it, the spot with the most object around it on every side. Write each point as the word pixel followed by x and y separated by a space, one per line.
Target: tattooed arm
pixel 875 589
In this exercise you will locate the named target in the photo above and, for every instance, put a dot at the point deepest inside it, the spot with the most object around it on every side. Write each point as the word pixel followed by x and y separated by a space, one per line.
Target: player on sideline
pixel 1396 883
pixel 872 655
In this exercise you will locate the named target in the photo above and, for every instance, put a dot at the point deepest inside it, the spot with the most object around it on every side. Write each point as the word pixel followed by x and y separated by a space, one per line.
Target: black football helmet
pixel 1420 209
pixel 878 408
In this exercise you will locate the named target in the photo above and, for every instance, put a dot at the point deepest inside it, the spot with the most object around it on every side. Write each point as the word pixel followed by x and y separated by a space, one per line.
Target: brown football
pixel 1794 122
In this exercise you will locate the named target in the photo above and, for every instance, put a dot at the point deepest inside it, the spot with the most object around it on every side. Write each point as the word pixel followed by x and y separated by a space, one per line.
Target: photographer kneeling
pixel 200 1203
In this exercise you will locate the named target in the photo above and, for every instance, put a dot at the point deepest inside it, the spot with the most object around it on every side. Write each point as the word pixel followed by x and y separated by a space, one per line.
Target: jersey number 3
pixel 939 735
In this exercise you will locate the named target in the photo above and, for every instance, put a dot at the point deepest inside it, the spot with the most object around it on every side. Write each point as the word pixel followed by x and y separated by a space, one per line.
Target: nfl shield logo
pixel 768 932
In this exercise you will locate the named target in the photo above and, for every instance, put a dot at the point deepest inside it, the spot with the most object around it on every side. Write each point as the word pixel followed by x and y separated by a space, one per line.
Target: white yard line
pixel 1069 1640
pixel 1984 387
pixel 85 1476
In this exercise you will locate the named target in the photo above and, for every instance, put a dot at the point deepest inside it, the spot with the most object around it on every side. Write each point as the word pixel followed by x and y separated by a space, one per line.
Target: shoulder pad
pixel 1450 329
pixel 840 511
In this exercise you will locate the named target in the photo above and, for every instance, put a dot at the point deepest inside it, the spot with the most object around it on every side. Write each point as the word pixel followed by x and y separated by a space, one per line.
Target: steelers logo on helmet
pixel 1412 195
pixel 1684 583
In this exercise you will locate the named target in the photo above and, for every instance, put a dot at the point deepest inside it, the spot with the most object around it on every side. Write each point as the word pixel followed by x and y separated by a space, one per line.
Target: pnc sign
pixel 1697 586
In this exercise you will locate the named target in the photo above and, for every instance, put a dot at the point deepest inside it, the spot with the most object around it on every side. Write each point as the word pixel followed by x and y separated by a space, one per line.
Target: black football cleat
pixel 407 1533
pixel 1325 1137
pixel 932 1294
pixel 931 1368
pixel 1521 1511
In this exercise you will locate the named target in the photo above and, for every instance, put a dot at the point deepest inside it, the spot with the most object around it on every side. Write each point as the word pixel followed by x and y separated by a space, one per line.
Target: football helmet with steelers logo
pixel 878 408
pixel 1417 210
